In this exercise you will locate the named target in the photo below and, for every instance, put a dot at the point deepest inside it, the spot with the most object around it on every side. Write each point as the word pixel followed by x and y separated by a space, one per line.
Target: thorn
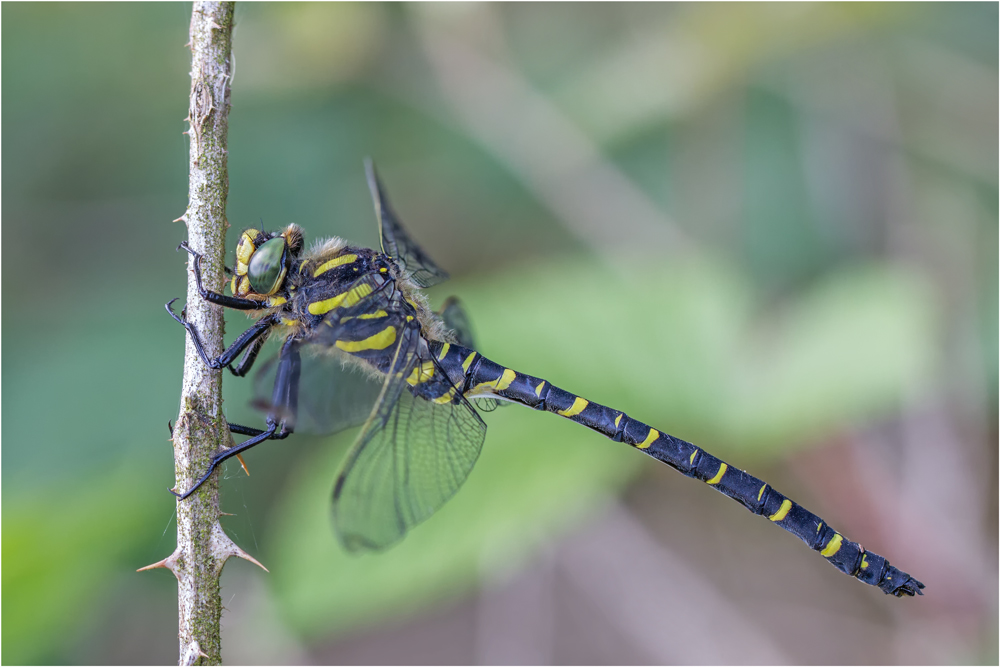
pixel 188 45
pixel 243 463
pixel 192 653
pixel 213 25
pixel 156 565
pixel 185 132
pixel 223 548
pixel 226 514
pixel 183 218
pixel 168 563
pixel 245 556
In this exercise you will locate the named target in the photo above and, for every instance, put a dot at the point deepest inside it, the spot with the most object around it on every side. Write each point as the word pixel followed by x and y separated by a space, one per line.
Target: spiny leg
pixel 245 340
pixel 285 407
pixel 239 457
pixel 250 356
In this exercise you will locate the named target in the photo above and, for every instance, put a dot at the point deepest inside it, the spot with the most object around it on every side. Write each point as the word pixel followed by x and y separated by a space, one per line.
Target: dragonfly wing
pixel 333 396
pixel 454 317
pixel 411 457
pixel 396 243
pixel 335 392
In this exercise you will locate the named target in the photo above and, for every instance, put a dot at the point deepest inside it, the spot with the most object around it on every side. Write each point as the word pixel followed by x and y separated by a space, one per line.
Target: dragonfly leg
pixel 285 401
pixel 232 451
pixel 249 337
pixel 250 356
pixel 215 297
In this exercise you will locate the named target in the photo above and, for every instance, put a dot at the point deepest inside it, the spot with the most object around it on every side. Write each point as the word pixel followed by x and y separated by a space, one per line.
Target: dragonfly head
pixel 263 260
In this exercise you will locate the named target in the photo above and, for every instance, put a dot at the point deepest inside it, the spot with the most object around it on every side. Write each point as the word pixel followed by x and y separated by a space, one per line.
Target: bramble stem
pixel 201 429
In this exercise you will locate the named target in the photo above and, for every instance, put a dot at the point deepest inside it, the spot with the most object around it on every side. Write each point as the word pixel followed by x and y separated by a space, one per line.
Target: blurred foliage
pixel 61 548
pixel 832 169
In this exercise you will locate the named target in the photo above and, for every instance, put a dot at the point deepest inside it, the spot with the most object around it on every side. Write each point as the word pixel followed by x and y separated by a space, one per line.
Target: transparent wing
pixel 333 396
pixel 396 243
pixel 454 317
pixel 335 392
pixel 411 457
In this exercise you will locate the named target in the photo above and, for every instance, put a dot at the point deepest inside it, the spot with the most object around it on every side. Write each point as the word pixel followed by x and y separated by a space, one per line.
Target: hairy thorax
pixel 331 278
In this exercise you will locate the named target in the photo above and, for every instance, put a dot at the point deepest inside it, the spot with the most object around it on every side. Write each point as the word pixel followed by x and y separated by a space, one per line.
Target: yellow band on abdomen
pixel 650 439
pixel 832 547
pixel 578 405
pixel 718 475
pixel 782 512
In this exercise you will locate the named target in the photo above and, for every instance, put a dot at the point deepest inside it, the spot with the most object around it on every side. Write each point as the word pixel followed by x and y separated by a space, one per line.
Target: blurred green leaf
pixel 61 548
pixel 847 349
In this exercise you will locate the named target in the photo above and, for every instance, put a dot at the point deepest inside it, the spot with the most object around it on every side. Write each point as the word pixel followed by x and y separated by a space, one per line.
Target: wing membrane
pixel 334 392
pixel 332 396
pixel 454 317
pixel 396 243
pixel 411 457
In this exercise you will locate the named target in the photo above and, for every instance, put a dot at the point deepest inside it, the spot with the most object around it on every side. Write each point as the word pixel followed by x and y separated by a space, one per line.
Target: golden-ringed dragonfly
pixel 337 306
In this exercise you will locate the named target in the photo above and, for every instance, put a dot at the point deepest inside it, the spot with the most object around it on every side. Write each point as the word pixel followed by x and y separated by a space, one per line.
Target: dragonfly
pixel 359 345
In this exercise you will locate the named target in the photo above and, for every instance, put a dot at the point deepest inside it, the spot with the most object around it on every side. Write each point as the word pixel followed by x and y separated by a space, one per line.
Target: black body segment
pixel 754 494
pixel 340 309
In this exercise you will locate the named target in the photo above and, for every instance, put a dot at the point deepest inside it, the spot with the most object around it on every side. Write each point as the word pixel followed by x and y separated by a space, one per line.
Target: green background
pixel 768 229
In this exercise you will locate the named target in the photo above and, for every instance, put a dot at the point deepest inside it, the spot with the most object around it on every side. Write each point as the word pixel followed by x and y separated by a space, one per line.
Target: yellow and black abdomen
pixel 475 375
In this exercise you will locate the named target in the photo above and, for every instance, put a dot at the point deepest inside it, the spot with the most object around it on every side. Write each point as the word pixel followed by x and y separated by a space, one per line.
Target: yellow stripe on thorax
pixel 379 341
pixel 782 512
pixel 334 263
pixel 348 299
pixel 650 439
pixel 718 475
pixel 578 405
pixel 444 351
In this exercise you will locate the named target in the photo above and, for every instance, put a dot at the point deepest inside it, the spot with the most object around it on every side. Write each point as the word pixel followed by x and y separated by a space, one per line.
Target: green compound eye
pixel 267 266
